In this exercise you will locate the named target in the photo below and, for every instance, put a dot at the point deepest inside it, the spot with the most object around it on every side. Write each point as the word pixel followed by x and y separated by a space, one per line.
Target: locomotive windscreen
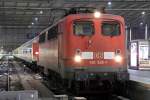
pixel 83 28
pixel 110 29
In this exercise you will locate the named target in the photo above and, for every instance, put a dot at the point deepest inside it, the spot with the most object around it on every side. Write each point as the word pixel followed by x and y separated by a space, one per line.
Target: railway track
pixel 15 78
pixel 100 97
pixel 9 76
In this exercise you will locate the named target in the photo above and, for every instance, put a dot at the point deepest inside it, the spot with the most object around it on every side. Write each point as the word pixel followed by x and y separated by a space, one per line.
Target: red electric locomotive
pixel 85 50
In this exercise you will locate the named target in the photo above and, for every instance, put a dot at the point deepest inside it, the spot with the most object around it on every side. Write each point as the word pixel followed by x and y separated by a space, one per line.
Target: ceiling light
pixel 36 19
pixel 109 3
pixel 141 23
pixel 143 12
pixel 32 23
pixel 29 26
pixel 41 12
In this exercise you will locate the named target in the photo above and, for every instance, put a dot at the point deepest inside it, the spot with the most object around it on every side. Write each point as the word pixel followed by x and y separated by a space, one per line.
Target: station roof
pixel 38 14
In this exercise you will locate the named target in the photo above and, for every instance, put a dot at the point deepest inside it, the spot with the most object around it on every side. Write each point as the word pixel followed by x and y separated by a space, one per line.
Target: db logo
pixel 98 55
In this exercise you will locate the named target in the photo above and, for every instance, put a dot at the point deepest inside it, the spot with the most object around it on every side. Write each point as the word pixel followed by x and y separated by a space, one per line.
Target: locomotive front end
pixel 96 50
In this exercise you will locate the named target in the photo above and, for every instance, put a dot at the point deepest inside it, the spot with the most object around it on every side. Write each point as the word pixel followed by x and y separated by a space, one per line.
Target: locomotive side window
pixel 110 28
pixel 53 32
pixel 42 38
pixel 83 28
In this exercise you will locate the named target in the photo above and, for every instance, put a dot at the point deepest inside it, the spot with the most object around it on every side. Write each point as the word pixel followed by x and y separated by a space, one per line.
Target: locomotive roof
pixel 111 16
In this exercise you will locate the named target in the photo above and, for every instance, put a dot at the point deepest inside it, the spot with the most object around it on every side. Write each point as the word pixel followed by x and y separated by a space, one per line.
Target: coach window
pixel 83 28
pixel 110 28
pixel 42 38
pixel 53 32
pixel 30 50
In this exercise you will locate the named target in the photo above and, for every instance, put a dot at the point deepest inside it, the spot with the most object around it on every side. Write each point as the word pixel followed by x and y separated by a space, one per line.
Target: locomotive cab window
pixel 85 28
pixel 110 28
pixel 42 38
pixel 52 33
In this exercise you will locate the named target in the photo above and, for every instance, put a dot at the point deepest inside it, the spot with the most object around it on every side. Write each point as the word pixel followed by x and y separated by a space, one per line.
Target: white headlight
pixel 118 58
pixel 77 58
pixel 97 14
pixel 36 53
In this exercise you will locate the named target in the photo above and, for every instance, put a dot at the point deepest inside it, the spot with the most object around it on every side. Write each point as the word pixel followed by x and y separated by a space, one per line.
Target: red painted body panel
pixel 55 53
pixel 48 55
pixel 100 43
pixel 35 51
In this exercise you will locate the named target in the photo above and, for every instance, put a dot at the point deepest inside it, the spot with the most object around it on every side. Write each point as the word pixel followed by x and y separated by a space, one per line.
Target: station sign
pixel 133 54
pixel 144 54
pixel 140 54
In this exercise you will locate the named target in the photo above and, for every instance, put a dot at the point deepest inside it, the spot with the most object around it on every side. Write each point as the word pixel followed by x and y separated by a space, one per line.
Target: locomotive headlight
pixel 118 58
pixel 36 53
pixel 97 14
pixel 77 58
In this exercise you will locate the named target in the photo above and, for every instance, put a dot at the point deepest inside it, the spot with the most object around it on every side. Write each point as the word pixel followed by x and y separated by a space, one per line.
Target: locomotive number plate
pixel 98 62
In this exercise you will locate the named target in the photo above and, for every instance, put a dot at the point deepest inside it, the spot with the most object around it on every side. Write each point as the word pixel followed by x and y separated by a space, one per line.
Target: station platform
pixel 138 88
pixel 142 76
pixel 29 95
pixel 21 83
pixel 19 95
pixel 29 83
